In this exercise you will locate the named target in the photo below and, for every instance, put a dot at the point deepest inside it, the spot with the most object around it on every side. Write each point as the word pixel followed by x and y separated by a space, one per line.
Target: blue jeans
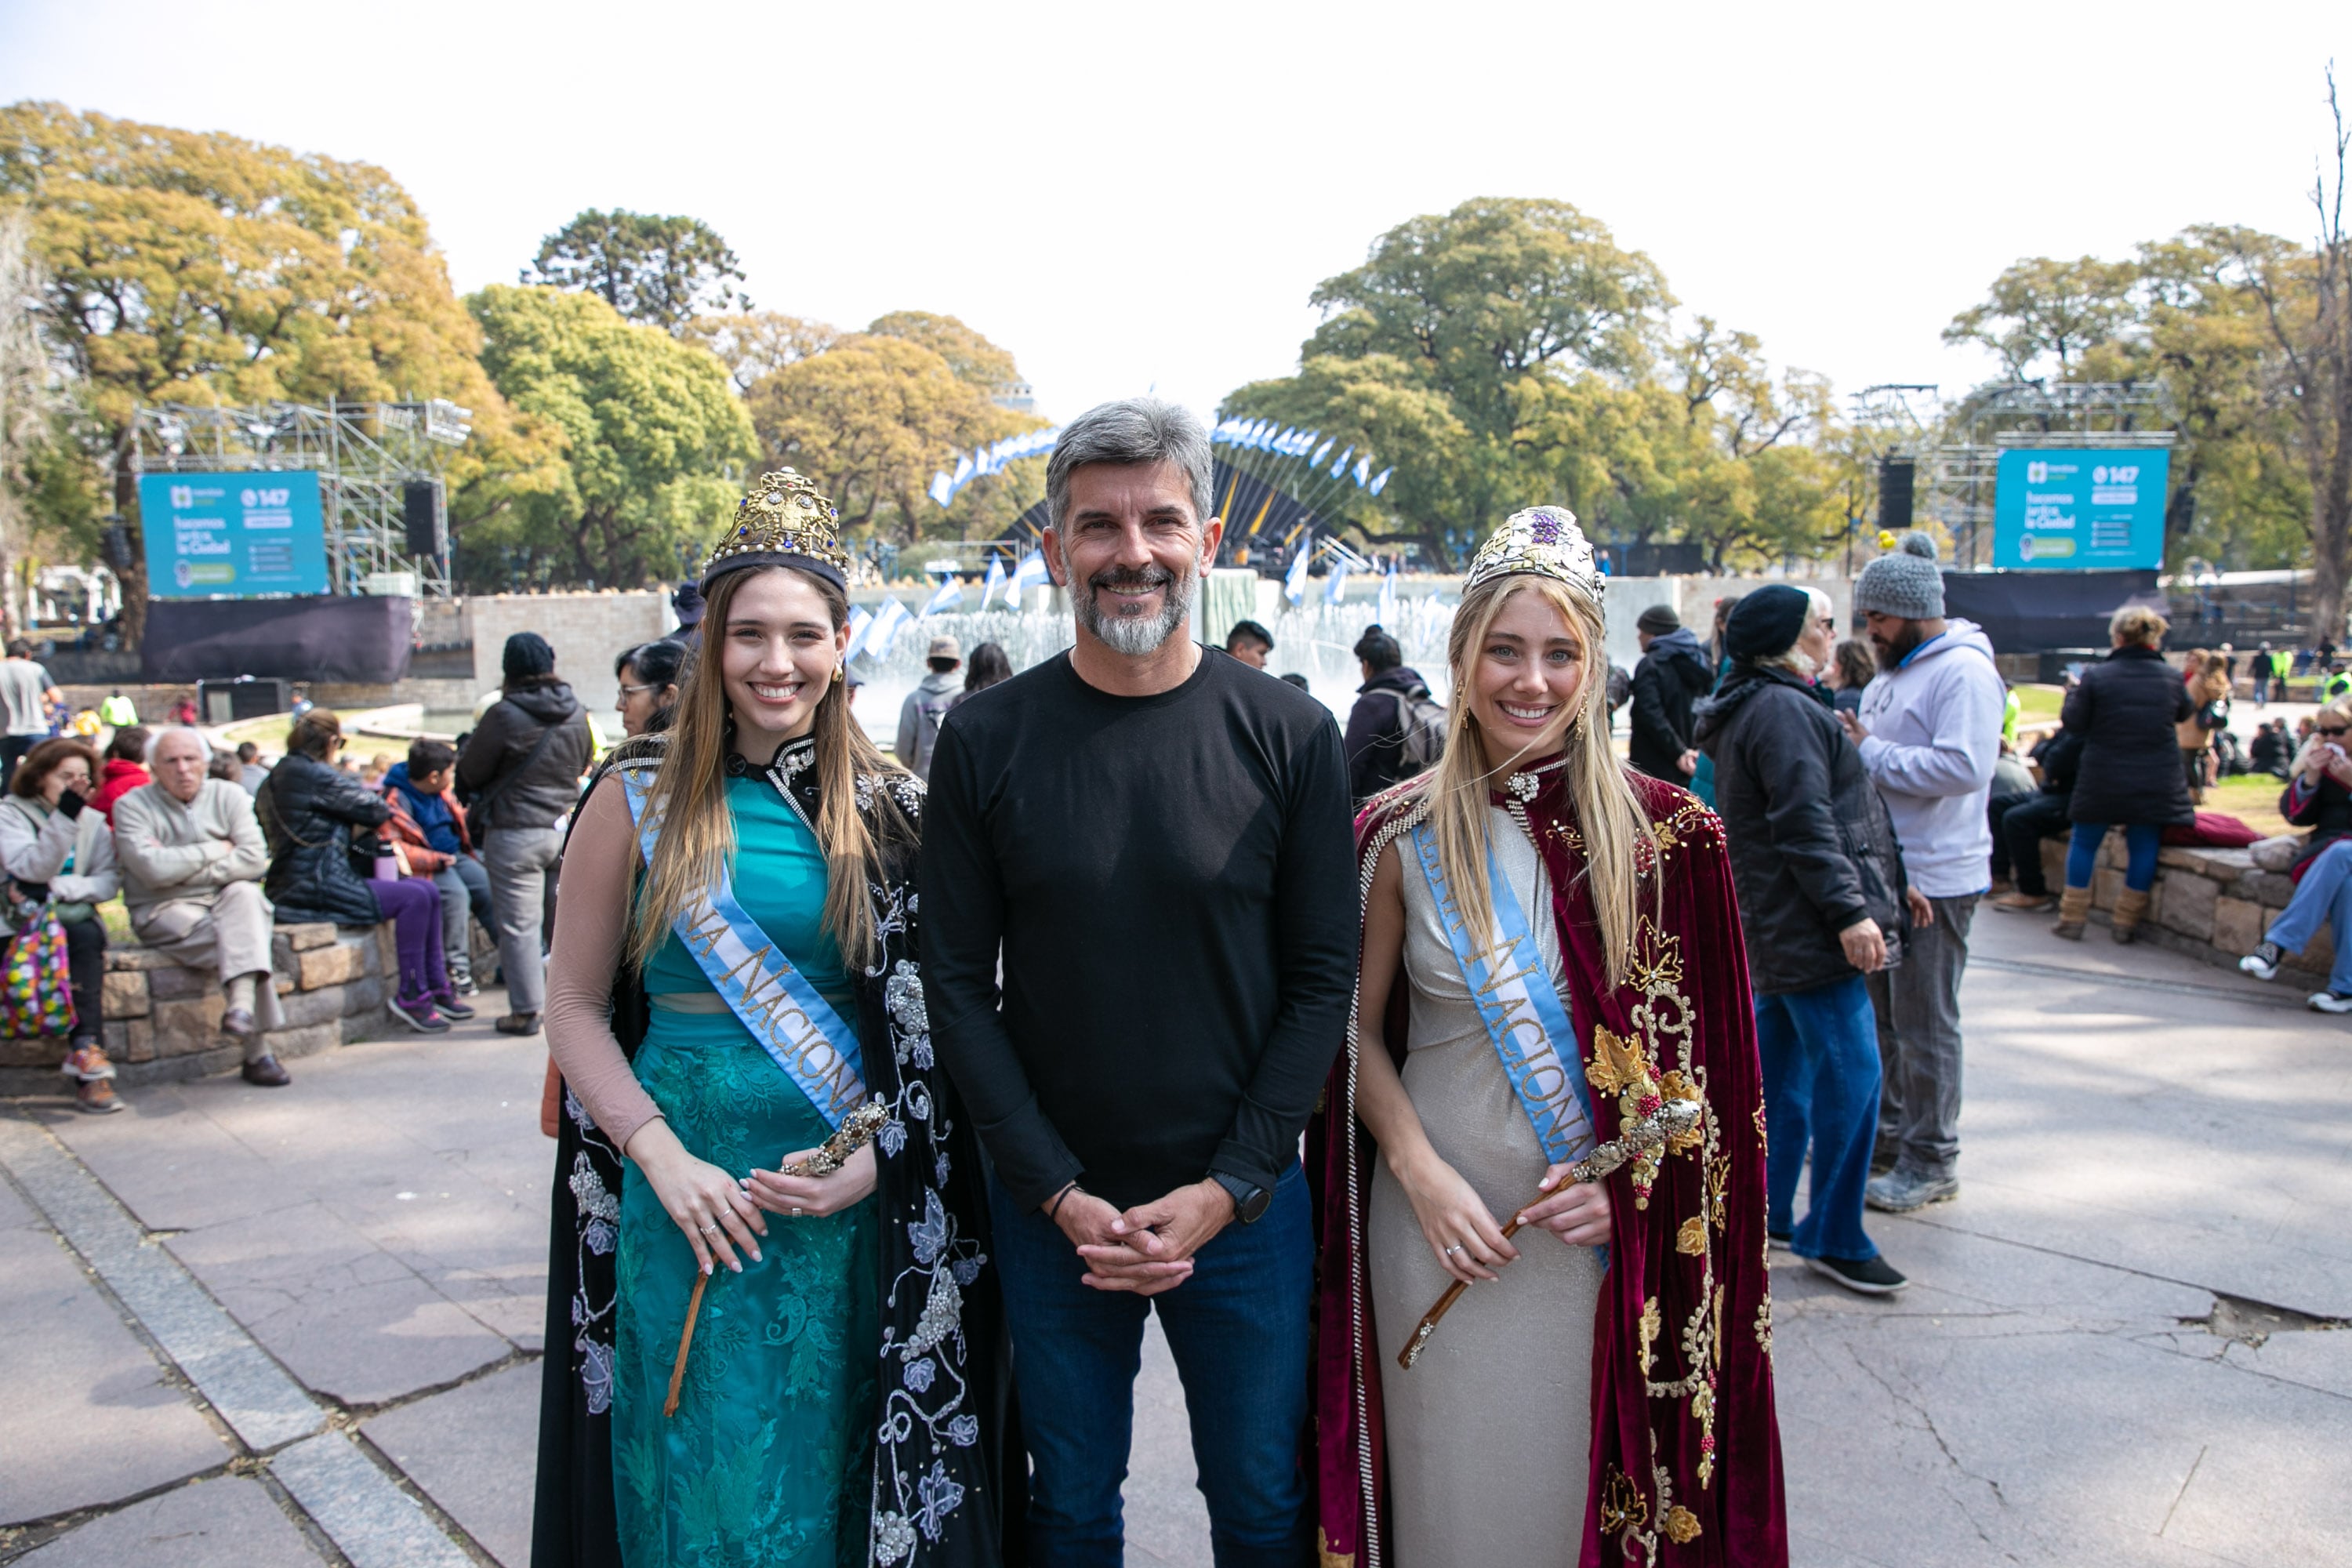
pixel 1238 1331
pixel 2141 842
pixel 1820 1056
pixel 2324 897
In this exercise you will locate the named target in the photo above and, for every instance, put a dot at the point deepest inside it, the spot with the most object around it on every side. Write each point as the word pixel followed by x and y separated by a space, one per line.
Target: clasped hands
pixel 1465 1237
pixel 1146 1249
pixel 721 1215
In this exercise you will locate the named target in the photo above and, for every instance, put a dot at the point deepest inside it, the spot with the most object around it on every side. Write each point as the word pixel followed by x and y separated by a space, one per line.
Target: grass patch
pixel 2252 799
pixel 2038 702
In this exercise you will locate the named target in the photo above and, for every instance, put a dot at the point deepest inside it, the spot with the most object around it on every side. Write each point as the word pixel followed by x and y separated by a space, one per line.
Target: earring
pixel 836 675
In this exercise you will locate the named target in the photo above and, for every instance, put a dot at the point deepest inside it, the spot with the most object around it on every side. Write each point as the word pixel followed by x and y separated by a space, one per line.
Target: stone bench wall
pixel 2212 904
pixel 163 1018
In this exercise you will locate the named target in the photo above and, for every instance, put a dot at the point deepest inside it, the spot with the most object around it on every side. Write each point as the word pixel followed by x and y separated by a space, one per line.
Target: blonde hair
pixel 2136 626
pixel 2209 676
pixel 697 841
pixel 1613 823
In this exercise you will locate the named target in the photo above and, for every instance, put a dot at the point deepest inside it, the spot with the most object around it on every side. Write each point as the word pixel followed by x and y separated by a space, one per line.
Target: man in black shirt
pixel 1156 840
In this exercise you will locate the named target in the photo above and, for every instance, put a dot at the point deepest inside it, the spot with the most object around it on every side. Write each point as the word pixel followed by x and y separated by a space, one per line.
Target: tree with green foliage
pixel 662 271
pixel 199 267
pixel 1510 352
pixel 655 445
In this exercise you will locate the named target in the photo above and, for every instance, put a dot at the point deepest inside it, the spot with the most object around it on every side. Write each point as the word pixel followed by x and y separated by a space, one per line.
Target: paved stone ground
pixel 258 1329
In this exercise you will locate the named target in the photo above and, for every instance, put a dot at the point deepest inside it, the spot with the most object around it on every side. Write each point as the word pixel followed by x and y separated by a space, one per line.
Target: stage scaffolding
pixel 1955 477
pixel 365 455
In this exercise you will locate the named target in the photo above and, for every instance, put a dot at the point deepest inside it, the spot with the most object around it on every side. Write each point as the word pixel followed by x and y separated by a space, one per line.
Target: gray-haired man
pixel 193 858
pixel 1157 841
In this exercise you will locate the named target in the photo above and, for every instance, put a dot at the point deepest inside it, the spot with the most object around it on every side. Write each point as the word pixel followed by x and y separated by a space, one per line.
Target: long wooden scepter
pixel 1669 1120
pixel 858 1129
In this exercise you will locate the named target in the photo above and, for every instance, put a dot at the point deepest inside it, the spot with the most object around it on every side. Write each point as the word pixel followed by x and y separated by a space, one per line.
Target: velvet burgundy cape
pixel 1686 1459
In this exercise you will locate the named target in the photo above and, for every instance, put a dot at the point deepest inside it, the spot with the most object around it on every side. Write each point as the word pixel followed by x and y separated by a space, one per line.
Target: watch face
pixel 1255 1204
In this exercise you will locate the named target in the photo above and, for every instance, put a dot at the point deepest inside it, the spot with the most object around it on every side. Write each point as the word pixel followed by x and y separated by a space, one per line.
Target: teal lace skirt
pixel 768 1461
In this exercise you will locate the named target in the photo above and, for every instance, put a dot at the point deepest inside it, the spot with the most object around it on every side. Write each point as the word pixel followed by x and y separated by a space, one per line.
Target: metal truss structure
pixel 365 455
pixel 1958 450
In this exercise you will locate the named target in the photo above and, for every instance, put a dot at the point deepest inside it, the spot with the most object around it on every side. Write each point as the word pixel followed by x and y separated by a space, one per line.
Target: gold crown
pixel 782 516
pixel 1543 539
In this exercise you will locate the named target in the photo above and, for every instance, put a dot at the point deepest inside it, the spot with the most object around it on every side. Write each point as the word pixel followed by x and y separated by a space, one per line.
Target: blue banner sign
pixel 2063 508
pixel 233 535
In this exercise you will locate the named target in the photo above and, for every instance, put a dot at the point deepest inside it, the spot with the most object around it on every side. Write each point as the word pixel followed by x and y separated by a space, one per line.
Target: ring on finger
pixel 708 1229
pixel 1451 1250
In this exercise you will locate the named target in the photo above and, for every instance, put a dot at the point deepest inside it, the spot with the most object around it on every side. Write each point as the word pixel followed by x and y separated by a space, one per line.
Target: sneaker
pixel 517 1024
pixel 87 1063
pixel 1869 1276
pixel 2263 963
pixel 2025 903
pixel 97 1098
pixel 417 1013
pixel 2330 1002
pixel 1900 1191
pixel 447 1004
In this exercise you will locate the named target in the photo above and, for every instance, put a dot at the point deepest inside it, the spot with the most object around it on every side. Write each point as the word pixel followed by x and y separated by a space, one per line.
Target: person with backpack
pixel 919 715
pixel 1396 730
pixel 1672 676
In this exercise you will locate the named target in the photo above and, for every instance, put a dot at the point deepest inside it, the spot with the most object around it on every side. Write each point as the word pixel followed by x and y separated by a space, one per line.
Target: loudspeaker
pixel 1894 475
pixel 420 509
pixel 114 545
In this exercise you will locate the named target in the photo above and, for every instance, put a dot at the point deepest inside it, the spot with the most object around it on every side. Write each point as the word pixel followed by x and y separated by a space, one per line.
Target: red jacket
pixel 116 780
pixel 423 860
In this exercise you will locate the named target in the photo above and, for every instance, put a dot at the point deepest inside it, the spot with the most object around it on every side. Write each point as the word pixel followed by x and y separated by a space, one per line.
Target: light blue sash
pixel 795 1026
pixel 1524 1021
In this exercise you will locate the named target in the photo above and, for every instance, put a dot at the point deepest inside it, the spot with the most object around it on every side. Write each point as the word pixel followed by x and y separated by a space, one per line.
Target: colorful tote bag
pixel 35 988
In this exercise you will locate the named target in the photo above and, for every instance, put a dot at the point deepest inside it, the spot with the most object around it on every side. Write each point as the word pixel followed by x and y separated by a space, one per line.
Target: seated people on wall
pixel 430 829
pixel 125 768
pixel 318 821
pixel 192 859
pixel 56 847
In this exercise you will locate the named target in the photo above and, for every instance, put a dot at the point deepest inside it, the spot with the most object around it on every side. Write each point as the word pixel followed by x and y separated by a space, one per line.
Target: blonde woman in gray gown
pixel 1485 1437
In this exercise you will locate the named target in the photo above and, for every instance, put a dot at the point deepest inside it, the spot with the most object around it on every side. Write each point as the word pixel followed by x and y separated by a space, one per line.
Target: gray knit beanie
pixel 1904 582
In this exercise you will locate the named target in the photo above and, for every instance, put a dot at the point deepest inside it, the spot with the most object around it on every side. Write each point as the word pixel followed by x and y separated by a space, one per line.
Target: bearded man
pixel 1157 841
pixel 1929 731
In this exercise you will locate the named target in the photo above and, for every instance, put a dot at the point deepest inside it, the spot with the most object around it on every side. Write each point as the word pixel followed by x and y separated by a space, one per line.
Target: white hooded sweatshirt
pixel 1935 735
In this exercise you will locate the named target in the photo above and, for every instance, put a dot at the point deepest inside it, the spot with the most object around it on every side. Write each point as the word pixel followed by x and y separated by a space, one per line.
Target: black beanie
pixel 528 657
pixel 1658 620
pixel 1767 622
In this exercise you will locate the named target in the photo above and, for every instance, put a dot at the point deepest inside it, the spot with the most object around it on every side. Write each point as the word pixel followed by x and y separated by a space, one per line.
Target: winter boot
pixel 2130 910
pixel 2073 909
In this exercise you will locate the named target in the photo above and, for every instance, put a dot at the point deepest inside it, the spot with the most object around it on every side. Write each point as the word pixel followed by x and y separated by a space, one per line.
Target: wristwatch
pixel 1250 1201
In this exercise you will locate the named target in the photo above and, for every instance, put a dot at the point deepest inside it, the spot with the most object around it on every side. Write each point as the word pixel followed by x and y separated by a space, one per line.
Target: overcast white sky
pixel 1128 196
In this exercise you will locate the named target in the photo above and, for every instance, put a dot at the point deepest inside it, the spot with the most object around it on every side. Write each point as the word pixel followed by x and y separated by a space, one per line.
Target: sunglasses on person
pixel 2337 731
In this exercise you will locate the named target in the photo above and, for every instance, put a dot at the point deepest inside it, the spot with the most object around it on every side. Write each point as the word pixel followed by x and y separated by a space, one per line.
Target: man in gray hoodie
pixel 1929 732
pixel 919 715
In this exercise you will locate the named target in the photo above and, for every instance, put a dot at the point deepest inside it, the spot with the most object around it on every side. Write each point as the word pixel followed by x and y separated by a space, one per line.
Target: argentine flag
pixel 858 621
pixel 1388 597
pixel 883 631
pixel 1294 582
pixel 995 580
pixel 948 597
pixel 1334 586
pixel 1027 576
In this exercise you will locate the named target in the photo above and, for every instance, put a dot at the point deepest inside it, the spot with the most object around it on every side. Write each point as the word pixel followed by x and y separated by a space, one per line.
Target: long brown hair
pixel 697 841
pixel 1610 820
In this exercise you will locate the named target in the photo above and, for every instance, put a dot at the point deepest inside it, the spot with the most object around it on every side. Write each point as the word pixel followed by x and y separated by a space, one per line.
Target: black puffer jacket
pixel 1671 677
pixel 308 812
pixel 539 795
pixel 1812 847
pixel 2124 709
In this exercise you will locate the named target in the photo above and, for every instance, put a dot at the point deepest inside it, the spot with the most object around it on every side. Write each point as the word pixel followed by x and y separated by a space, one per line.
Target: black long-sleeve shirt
pixel 1171 880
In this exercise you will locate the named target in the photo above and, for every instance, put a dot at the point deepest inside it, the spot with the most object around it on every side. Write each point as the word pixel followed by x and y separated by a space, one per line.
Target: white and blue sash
pixel 1524 1021
pixel 795 1026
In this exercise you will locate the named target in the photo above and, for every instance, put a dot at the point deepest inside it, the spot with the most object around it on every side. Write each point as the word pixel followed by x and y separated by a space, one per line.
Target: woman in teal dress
pixel 734 970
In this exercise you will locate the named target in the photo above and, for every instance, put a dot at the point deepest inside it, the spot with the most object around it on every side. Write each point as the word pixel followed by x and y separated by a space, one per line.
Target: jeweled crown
pixel 782 515
pixel 1543 540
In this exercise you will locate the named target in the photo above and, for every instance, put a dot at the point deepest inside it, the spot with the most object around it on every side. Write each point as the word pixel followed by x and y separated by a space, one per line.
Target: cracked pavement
pixel 2145 1139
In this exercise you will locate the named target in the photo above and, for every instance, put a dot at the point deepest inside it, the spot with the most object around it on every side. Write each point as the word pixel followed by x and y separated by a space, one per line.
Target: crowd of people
pixel 891 1091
